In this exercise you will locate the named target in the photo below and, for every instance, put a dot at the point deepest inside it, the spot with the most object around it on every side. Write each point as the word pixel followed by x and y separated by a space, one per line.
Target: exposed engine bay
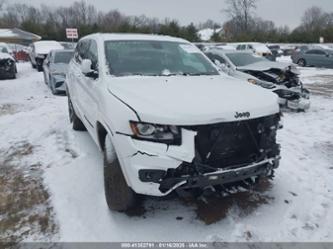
pixel 287 85
pixel 288 77
pixel 228 148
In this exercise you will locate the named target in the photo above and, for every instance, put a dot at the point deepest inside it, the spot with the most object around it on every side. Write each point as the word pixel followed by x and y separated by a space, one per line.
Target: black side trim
pixel 130 107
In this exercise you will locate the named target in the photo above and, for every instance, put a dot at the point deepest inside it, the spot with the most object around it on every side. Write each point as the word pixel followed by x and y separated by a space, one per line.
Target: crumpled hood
pixel 181 100
pixel 267 65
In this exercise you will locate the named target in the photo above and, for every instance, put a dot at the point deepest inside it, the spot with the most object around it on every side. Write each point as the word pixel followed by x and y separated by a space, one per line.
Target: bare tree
pixel 315 18
pixel 2 2
pixel 241 10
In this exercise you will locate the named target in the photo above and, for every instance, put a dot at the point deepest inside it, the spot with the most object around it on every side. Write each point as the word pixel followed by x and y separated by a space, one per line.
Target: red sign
pixel 72 33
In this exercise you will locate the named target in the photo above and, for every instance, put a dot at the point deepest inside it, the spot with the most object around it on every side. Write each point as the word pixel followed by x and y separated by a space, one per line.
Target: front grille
pixel 233 144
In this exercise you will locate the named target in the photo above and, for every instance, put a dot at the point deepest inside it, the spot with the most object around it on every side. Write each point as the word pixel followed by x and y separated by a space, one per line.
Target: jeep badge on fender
pixel 242 115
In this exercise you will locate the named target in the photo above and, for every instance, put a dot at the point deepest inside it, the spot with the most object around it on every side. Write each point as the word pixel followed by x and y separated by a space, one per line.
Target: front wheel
pixel 77 124
pixel 301 62
pixel 119 196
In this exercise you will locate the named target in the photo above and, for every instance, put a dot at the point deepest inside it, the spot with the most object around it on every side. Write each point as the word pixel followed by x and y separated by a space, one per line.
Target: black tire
pixel 39 68
pixel 45 79
pixel 301 62
pixel 119 196
pixel 77 124
pixel 33 66
pixel 53 90
pixel 14 71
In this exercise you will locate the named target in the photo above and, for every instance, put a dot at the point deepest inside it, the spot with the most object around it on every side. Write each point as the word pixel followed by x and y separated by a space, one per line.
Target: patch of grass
pixel 24 202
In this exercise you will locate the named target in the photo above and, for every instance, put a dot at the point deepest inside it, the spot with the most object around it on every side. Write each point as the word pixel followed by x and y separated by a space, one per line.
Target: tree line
pixel 243 24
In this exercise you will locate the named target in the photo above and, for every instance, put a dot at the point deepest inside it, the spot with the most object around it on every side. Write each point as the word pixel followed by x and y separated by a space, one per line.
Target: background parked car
pixel 314 57
pixel 299 49
pixel 55 67
pixel 257 48
pixel 4 48
pixel 280 78
pixel 276 50
pixel 7 66
pixel 39 51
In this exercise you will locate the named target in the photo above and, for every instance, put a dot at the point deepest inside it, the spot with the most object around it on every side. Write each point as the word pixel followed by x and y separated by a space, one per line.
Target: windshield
pixel 63 57
pixel 156 58
pixel 243 59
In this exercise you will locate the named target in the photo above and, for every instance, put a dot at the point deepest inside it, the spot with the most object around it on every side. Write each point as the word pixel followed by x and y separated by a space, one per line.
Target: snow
pixel 285 59
pixel 225 47
pixel 299 204
pixel 44 47
pixel 135 37
pixel 261 48
pixel 5 56
pixel 206 34
pixel 6 33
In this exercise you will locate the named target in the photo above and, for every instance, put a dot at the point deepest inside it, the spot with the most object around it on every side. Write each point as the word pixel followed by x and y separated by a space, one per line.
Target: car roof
pixel 121 36
pixel 226 51
pixel 62 50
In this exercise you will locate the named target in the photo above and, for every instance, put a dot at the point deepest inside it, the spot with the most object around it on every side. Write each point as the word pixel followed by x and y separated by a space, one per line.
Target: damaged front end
pixel 7 68
pixel 225 153
pixel 288 86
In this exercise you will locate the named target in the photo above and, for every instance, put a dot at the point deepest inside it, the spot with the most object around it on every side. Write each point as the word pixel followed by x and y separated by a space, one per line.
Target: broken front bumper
pixel 209 155
pixel 294 99
pixel 219 177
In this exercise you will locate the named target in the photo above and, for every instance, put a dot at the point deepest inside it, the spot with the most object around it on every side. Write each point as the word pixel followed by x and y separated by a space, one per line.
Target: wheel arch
pixel 102 132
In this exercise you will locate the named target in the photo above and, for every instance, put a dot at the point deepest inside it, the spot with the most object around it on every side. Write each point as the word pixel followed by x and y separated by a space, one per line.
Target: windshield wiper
pixel 198 74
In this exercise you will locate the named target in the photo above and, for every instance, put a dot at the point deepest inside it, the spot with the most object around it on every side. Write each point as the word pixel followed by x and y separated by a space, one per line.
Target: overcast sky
pixel 282 12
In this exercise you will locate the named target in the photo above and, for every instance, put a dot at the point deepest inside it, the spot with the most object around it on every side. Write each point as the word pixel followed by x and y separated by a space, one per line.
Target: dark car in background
pixel 7 66
pixel 314 57
pixel 276 50
pixel 55 69
pixel 39 51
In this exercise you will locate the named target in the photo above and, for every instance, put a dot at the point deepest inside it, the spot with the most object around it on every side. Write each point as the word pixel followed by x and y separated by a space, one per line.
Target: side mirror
pixel 86 69
pixel 86 66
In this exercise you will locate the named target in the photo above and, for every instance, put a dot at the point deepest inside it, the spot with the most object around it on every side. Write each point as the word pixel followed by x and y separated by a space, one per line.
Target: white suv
pixel 166 119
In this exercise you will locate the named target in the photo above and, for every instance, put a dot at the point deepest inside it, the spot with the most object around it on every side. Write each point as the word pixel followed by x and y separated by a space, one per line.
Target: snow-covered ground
pixel 35 136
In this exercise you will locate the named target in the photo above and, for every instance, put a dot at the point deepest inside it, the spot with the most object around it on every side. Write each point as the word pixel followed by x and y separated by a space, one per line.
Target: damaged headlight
pixel 168 134
pixel 286 94
pixel 261 83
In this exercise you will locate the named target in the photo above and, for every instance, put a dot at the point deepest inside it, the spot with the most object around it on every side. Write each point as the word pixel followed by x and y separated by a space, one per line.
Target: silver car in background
pixel 55 68
pixel 315 57
pixel 280 78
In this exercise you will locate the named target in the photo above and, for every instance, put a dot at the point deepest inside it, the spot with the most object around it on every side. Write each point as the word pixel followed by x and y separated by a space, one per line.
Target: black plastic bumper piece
pixel 219 177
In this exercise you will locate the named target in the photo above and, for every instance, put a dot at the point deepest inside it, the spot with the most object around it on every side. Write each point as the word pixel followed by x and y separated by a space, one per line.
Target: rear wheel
pixel 301 62
pixel 74 119
pixel 119 196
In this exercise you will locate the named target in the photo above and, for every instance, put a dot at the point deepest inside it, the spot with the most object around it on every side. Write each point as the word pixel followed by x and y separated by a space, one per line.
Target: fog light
pixel 151 175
